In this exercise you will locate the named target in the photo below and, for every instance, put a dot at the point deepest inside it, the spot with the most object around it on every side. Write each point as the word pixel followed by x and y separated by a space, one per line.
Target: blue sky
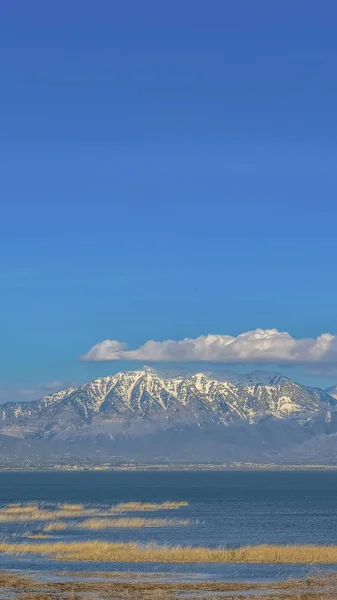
pixel 168 171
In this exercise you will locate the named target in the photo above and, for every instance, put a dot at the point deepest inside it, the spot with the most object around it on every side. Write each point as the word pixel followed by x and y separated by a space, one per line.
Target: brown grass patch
pixel 25 588
pixel 15 585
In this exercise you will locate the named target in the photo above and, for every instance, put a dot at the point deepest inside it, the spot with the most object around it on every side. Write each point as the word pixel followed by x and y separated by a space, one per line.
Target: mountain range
pixel 148 415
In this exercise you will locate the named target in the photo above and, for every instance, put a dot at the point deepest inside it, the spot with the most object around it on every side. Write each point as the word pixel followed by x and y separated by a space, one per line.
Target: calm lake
pixel 227 508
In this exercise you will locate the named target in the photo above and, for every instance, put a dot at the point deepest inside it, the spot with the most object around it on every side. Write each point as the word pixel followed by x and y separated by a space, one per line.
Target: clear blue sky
pixel 168 169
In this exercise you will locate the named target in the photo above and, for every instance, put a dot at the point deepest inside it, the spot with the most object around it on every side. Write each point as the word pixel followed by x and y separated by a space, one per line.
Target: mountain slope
pixel 143 413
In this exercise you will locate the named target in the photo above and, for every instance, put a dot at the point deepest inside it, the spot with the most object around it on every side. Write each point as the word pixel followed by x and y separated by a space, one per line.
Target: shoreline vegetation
pixel 53 517
pixel 44 517
pixel 136 586
pixel 130 467
pixel 130 552
pixel 122 522
pixel 35 511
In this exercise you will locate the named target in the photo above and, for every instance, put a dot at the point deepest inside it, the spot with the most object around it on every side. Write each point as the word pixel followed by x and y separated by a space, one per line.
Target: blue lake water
pixel 226 508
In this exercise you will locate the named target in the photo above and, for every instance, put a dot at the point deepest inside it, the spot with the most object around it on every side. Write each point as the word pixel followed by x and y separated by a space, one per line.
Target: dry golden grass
pixel 98 550
pixel 55 526
pixel 106 523
pixel 136 522
pixel 147 506
pixel 37 536
pixel 14 509
pixel 33 515
pixel 72 507
pixel 42 514
pixel 38 512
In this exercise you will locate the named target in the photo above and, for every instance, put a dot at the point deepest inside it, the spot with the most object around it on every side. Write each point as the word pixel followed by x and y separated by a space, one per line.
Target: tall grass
pixel 72 507
pixel 18 509
pixel 132 552
pixel 121 522
pixel 147 506
pixel 135 522
pixel 40 512
pixel 55 526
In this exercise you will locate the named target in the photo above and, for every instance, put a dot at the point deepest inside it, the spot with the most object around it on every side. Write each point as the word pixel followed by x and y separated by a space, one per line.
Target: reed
pixel 98 550
pixel 72 507
pixel 135 522
pixel 147 506
pixel 18 509
pixel 39 512
pixel 121 522
pixel 36 515
pixel 55 526
pixel 42 514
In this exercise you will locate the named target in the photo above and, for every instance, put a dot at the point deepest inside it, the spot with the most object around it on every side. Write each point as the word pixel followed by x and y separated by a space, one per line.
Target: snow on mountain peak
pixel 231 409
pixel 121 401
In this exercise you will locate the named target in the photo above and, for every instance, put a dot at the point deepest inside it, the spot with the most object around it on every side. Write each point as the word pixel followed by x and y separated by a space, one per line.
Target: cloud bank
pixel 258 346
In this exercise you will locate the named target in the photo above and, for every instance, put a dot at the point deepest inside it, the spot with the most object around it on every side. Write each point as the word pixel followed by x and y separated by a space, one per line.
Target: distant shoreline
pixel 174 467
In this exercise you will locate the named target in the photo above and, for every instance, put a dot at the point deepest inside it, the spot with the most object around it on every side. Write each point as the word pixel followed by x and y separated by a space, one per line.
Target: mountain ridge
pixel 140 412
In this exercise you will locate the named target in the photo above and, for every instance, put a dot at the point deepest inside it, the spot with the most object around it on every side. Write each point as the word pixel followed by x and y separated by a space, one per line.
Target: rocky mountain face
pixel 205 416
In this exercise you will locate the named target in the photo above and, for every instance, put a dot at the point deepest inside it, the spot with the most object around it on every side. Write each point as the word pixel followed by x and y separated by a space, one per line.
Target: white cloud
pixel 258 346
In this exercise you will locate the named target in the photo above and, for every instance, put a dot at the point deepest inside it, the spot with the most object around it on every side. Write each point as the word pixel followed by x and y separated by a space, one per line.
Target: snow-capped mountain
pixel 264 377
pixel 222 412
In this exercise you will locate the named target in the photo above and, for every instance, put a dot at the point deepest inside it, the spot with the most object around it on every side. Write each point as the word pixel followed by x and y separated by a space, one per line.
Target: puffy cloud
pixel 106 350
pixel 258 346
